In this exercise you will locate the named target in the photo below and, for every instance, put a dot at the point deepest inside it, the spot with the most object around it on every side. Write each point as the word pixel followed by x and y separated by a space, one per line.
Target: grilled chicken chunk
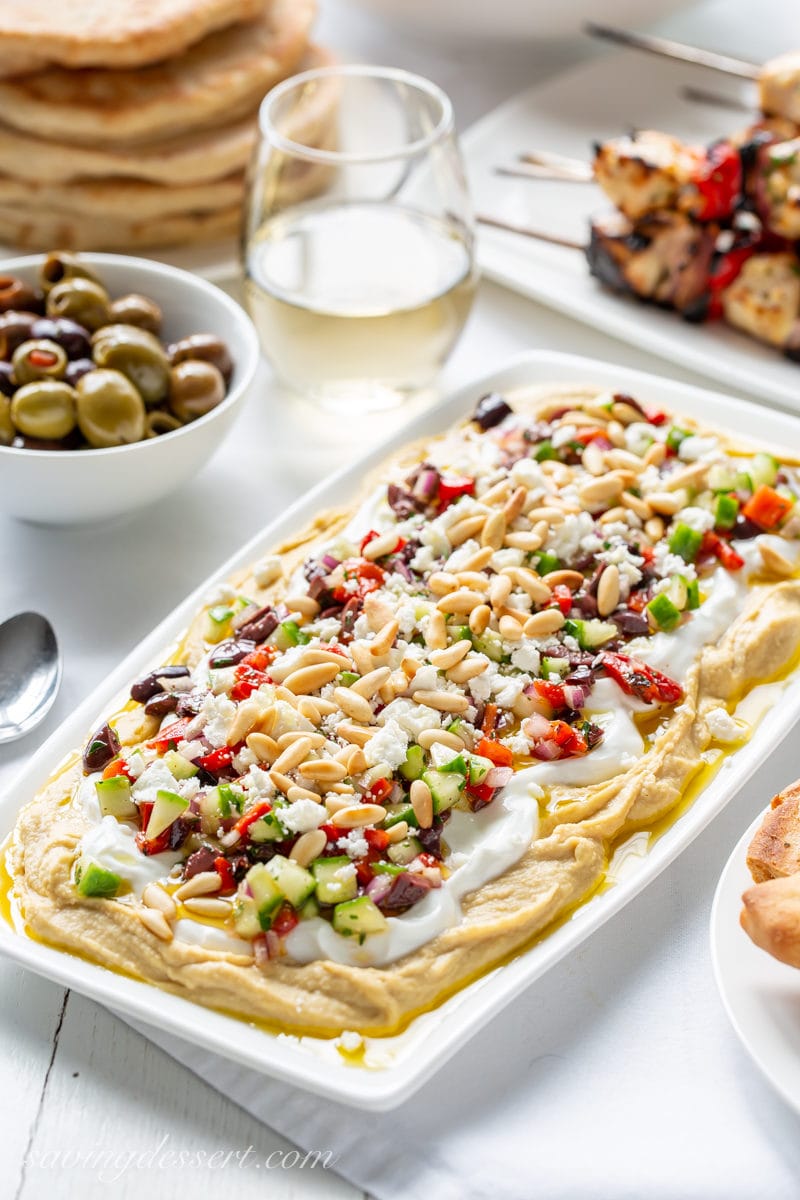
pixel 779 86
pixel 664 259
pixel 776 187
pixel 764 299
pixel 645 172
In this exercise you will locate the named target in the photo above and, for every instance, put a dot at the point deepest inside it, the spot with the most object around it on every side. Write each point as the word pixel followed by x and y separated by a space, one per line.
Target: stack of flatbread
pixel 129 123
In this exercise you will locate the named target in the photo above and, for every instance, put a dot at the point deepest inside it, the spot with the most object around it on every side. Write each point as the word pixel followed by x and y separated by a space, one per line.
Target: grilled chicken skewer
pixel 700 270
pixel 778 79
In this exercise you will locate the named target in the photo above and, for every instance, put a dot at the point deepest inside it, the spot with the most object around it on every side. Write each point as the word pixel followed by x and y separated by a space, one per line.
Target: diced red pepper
pixel 332 832
pixel 499 754
pixel 260 659
pixel 637 601
pixel 712 543
pixel 591 434
pixel 248 680
pixel 169 737
pixel 377 839
pixel 637 679
pixel 427 859
pixel 225 872
pixel 553 693
pixel 570 740
pixel 656 417
pixel 563 598
pixel 217 760
pixel 766 507
pixel 117 767
pixel 647 553
pixel 154 845
pixel 361 578
pixel 284 920
pixel 479 795
pixel 490 715
pixel 364 873
pixel 373 533
pixel 251 816
pixel 453 486
pixel 379 791
pixel 718 179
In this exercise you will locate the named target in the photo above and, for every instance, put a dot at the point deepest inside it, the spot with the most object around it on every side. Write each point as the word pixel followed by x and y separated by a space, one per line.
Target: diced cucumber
pixel 93 880
pixel 726 510
pixel 685 541
pixel 398 813
pixel 554 666
pixel 544 451
pixel 290 634
pixel 178 766
pixel 346 678
pixel 722 478
pixel 267 829
pixel 414 765
pixel 245 917
pixel 479 768
pixel 546 563
pixel 592 633
pixel 763 469
pixel 675 436
pixel 446 788
pixel 217 625
pixel 458 765
pixel 333 887
pixel 231 800
pixel 210 811
pixel 167 808
pixel 664 612
pixel 309 909
pixel 267 896
pixel 114 798
pixel 490 644
pixel 384 868
pixel 404 852
pixel 693 594
pixel 358 918
pixel 296 883
pixel 459 633
pixel 678 591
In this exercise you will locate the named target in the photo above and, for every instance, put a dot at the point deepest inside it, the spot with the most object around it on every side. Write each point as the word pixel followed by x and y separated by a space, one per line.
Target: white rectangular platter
pixel 395 1067
pixel 602 98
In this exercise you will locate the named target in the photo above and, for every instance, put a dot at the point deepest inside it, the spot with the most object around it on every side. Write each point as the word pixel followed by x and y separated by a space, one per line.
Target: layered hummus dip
pixel 402 746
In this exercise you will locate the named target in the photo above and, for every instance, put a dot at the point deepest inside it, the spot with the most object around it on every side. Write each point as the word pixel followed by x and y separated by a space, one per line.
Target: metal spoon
pixel 30 673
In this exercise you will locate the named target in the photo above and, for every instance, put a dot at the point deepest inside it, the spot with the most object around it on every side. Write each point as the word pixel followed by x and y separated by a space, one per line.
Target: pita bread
pixel 217 81
pixel 116 199
pixel 108 33
pixel 44 229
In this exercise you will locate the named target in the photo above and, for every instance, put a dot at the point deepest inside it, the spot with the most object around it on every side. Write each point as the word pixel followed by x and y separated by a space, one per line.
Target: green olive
pixel 205 346
pixel 39 358
pixel 61 265
pixel 195 388
pixel 44 409
pixel 110 410
pixel 82 300
pixel 137 310
pixel 138 355
pixel 7 430
pixel 159 422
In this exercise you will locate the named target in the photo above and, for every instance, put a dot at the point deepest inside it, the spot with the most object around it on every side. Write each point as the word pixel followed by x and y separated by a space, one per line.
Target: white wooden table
pixel 80 1092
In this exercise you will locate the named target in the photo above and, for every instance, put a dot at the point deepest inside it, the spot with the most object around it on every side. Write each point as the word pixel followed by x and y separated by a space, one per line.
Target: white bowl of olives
pixel 119 377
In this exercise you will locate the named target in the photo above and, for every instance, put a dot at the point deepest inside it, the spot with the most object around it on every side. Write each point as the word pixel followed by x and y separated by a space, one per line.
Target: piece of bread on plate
pixel 771 908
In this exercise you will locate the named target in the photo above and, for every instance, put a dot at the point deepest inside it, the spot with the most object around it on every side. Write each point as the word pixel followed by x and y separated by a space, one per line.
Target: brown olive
pixel 15 293
pixel 205 346
pixel 195 388
pixel 7 430
pixel 159 422
pixel 7 382
pixel 137 354
pixel 44 409
pixel 69 334
pixel 39 359
pixel 60 265
pixel 134 309
pixel 81 300
pixel 15 328
pixel 110 410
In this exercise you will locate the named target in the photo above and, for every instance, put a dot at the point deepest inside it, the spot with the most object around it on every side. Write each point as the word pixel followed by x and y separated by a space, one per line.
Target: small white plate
pixel 598 99
pixel 396 1067
pixel 760 994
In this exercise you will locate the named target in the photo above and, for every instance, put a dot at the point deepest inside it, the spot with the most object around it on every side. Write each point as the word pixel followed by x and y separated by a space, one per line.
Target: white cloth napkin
pixel 616 1075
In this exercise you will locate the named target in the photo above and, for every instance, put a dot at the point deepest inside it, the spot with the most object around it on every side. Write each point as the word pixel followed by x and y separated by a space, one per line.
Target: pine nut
pixel 202 884
pixel 655 454
pixel 494 531
pixel 524 540
pixel 625 413
pixel 354 733
pixel 642 509
pixel 295 792
pixel 383 544
pixel 156 922
pixel 436 631
pixel 308 709
pixel 443 660
pixel 294 735
pixel 397 832
pixel 462 601
pixel 549 620
pixel 203 906
pixel 357 761
pixel 315 654
pixel 473 579
pixel 343 789
pixel 479 619
pixel 441 582
pixel 513 507
pixel 497 493
pixel 155 897
pixel 687 476
pixel 499 590
pixel 353 705
pixel 268 720
pixel 428 737
pixel 442 701
pixel 548 514
pixel 263 746
pixel 308 847
pixel 667 503
pixel 303 605
pixel 510 629
pixel 310 679
pixel 325 769
pixel 536 587
pixel 370 683
pixel 615 433
pixel 626 460
pixel 409 667
pixel 324 707
pixel 613 515
pixel 595 493
pixel 362 659
pixel 479 560
pixel 465 529
pixel 608 590
pixel 384 638
pixel 355 816
pixel 334 803
pixel 281 782
pixel 422 803
pixel 593 460
pixel 654 528
pixel 244 719
pixel 293 755
pixel 775 562
pixel 571 579
pixel 468 669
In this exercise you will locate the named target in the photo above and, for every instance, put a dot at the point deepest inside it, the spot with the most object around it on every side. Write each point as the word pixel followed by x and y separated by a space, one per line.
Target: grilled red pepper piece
pixel 712 543
pixel 719 181
pixel 637 679
pixel 169 737
pixel 499 754
pixel 766 507
pixel 254 814
pixel 217 760
pixel 285 920
pixel 453 486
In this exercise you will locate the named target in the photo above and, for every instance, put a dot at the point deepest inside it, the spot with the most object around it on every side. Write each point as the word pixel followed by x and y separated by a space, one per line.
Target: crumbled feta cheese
pixel 666 563
pixel 258 783
pixel 217 712
pixel 565 539
pixel 462 554
pixel 517 743
pixel 424 559
pixel 722 726
pixel 441 754
pixel 244 759
pixel 345 872
pixel 696 518
pixel 267 570
pixel 412 718
pixel 507 557
pixel 303 816
pixel 406 615
pixel 692 448
pixel 223 593
pixel 525 657
pixel 562 435
pixel 354 844
pixel 638 436
pixel 388 745
pixel 527 473
pixel 156 777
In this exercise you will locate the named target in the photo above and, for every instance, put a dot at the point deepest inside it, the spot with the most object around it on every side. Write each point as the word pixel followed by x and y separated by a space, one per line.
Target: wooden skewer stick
pixel 526 231
pixel 536 171
pixel 558 162
pixel 669 49
pixel 715 99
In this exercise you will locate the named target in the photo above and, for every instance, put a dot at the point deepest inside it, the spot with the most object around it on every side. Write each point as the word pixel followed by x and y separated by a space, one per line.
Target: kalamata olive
pixel 15 328
pixel 81 300
pixel 491 410
pixel 44 408
pixel 102 746
pixel 134 309
pixel 39 359
pixel 260 625
pixel 7 430
pixel 77 369
pixel 195 388
pixel 110 410
pixel 207 347
pixel 7 382
pixel 15 293
pixel 160 422
pixel 138 355
pixel 230 652
pixel 150 685
pixel 61 265
pixel 161 704
pixel 73 337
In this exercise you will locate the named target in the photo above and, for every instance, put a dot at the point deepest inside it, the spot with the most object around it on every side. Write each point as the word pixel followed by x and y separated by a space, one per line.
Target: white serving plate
pixel 401 1064
pixel 601 98
pixel 760 994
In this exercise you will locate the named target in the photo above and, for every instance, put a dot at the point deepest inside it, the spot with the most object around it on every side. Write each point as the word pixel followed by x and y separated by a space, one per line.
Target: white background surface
pixel 639 1087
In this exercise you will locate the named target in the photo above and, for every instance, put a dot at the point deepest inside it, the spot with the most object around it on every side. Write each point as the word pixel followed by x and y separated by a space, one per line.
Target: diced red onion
pixel 194 749
pixel 273 943
pixel 575 696
pixel 379 887
pixel 499 776
pixel 547 751
pixel 536 726
pixel 330 562
pixel 427 484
